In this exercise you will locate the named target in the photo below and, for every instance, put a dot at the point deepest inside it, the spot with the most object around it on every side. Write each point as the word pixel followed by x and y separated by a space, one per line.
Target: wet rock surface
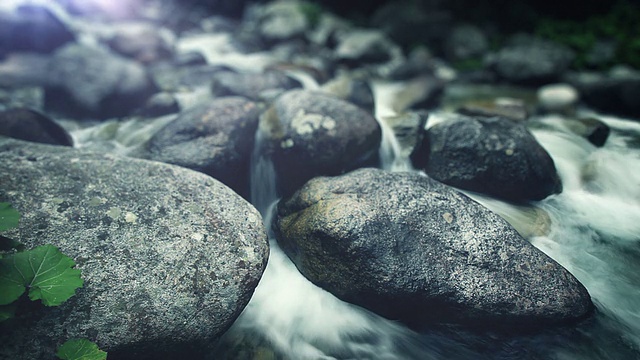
pixel 256 87
pixel 494 156
pixel 310 133
pixel 169 256
pixel 30 125
pixel 90 82
pixel 216 139
pixel 410 248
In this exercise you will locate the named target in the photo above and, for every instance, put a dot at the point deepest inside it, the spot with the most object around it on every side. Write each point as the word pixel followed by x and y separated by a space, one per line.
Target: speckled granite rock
pixel 169 256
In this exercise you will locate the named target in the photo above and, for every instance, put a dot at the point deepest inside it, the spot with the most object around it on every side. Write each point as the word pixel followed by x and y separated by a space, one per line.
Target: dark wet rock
pixel 355 91
pixel 409 23
pixel 309 133
pixel 169 256
pixel 143 42
pixel 530 60
pixel 510 108
pixel 215 138
pixel 614 93
pixel 160 104
pixel 364 46
pixel 90 82
pixel 252 86
pixel 410 248
pixel 30 125
pixel 591 129
pixel 32 28
pixel 465 42
pixel 493 156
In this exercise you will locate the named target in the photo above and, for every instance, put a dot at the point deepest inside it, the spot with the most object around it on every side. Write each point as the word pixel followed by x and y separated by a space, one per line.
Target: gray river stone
pixel 169 256
pixel 30 125
pixel 215 138
pixel 89 81
pixel 310 133
pixel 493 156
pixel 410 248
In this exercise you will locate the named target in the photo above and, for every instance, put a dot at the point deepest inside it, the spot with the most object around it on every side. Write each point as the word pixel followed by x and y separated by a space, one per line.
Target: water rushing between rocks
pixel 592 228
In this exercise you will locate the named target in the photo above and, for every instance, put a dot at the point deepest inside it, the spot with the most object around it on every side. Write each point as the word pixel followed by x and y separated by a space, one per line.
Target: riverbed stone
pixel 412 249
pixel 87 81
pixel 215 138
pixel 30 125
pixel 252 86
pixel 169 256
pixel 309 133
pixel 493 156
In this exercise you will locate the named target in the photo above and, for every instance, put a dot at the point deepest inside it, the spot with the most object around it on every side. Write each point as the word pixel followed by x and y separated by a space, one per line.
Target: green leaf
pixel 80 349
pixel 45 271
pixel 9 217
pixel 7 312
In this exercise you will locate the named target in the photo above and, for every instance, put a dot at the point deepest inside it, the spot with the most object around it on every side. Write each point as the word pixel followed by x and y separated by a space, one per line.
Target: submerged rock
pixel 309 133
pixel 252 86
pixel 169 256
pixel 216 139
pixel 493 156
pixel 91 82
pixel 30 125
pixel 410 248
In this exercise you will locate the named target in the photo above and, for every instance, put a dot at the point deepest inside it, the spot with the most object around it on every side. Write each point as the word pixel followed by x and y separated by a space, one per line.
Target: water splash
pixel 391 157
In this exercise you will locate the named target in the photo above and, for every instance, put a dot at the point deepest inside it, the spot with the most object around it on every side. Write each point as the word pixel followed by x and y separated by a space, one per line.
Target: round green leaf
pixel 80 349
pixel 45 271
pixel 9 217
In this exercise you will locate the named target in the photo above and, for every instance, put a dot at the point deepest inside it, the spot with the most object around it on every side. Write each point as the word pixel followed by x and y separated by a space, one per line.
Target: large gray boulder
pixel 410 248
pixel 91 82
pixel 169 256
pixel 309 133
pixel 215 138
pixel 493 156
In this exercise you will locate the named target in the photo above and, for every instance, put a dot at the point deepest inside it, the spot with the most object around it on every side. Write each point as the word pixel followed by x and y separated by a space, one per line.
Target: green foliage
pixel 469 64
pixel 7 312
pixel 620 25
pixel 311 11
pixel 45 271
pixel 80 349
pixel 9 217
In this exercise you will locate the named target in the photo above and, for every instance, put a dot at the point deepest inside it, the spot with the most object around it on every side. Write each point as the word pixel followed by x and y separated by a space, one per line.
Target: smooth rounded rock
pixel 309 133
pixel 410 248
pixel 30 125
pixel 169 256
pixel 493 156
pixel 215 138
